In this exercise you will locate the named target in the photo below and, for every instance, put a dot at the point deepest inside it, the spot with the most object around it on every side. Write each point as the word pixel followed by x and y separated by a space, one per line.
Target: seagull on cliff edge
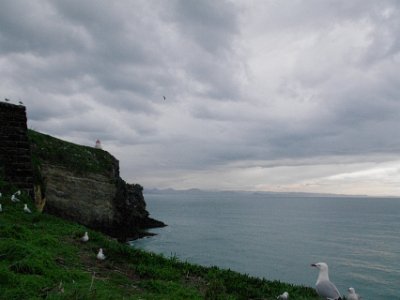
pixel 85 237
pixel 353 295
pixel 26 209
pixel 324 287
pixel 100 255
pixel 284 296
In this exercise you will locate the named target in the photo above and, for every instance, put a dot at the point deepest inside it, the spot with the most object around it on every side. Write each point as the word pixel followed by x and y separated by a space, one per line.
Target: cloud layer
pixel 260 95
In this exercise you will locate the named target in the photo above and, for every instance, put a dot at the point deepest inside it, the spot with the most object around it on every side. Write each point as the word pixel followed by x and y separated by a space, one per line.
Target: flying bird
pixel 324 287
pixel 85 237
pixel 284 296
pixel 20 103
pixel 164 98
pixel 353 295
pixel 100 255
pixel 6 99
pixel 26 209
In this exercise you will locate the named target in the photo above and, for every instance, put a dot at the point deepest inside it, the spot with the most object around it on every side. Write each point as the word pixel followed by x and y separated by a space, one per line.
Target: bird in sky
pixel 284 296
pixel 20 102
pixel 85 237
pixel 100 255
pixel 353 295
pixel 6 99
pixel 324 287
pixel 164 98
pixel 26 209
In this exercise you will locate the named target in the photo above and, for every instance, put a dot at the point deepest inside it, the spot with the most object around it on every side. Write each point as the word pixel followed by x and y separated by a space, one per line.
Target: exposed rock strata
pixel 101 202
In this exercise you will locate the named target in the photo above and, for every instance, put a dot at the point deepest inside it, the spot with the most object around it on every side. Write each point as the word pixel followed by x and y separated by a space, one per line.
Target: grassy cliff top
pixel 42 257
pixel 46 148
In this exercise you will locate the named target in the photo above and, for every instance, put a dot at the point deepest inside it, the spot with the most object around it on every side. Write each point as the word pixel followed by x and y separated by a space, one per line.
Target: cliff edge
pixel 83 184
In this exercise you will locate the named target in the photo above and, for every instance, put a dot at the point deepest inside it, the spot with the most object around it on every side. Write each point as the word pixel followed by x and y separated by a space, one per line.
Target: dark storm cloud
pixel 212 24
pixel 33 27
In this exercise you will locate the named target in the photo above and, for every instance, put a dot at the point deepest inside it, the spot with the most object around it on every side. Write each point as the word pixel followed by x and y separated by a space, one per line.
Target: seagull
pixel 7 100
pixel 14 198
pixel 20 103
pixel 324 287
pixel 26 209
pixel 164 98
pixel 353 295
pixel 284 296
pixel 100 255
pixel 85 237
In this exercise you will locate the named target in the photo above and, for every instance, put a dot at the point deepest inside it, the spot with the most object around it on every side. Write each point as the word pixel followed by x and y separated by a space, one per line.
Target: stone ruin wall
pixel 15 152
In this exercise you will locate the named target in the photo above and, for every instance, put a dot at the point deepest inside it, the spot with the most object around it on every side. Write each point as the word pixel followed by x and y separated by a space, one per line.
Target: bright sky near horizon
pixel 289 95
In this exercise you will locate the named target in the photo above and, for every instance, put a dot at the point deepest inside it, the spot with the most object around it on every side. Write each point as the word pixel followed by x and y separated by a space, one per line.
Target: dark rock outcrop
pixel 102 201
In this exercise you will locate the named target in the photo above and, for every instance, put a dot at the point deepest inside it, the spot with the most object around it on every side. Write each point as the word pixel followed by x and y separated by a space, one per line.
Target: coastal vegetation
pixel 42 257
pixel 75 157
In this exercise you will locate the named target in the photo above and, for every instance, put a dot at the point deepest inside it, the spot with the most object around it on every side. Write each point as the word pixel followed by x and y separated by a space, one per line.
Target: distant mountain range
pixel 276 194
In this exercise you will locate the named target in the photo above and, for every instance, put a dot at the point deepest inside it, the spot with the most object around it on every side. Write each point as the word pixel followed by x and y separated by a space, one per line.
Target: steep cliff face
pixel 83 184
pixel 87 199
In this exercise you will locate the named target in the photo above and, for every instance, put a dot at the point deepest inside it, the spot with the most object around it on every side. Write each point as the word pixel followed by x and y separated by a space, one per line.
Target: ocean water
pixel 279 236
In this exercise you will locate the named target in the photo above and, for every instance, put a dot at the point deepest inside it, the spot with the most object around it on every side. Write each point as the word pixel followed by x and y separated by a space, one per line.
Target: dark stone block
pixel 14 146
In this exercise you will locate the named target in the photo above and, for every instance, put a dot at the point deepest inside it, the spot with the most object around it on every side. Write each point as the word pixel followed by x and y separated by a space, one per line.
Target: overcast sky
pixel 296 95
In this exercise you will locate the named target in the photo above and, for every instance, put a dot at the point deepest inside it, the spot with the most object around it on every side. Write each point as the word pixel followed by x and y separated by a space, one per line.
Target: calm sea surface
pixel 278 236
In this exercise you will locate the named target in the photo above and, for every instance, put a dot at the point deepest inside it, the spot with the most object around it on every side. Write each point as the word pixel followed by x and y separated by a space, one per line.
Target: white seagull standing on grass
pixel 353 295
pixel 26 209
pixel 284 296
pixel 14 198
pixel 100 255
pixel 325 288
pixel 85 237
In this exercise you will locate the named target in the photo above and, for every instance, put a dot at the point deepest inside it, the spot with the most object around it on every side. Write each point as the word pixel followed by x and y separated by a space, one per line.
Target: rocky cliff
pixel 83 184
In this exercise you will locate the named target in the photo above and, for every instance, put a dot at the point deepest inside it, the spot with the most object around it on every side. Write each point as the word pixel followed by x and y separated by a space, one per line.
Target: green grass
pixel 41 257
pixel 75 157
